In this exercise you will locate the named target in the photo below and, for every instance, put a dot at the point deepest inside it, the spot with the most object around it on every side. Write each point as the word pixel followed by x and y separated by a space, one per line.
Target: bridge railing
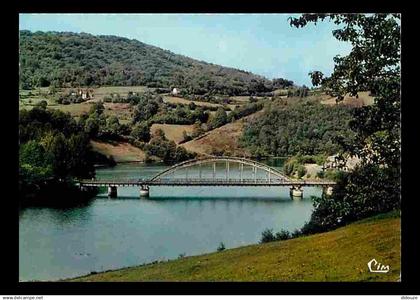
pixel 195 181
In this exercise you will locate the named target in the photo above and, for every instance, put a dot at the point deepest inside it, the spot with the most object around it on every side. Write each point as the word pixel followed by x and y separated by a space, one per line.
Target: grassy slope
pixel 339 255
pixel 363 99
pixel 224 138
pixel 122 152
pixel 173 132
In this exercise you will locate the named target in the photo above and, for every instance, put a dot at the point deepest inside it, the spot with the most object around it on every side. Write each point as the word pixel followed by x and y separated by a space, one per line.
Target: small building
pixel 85 95
pixel 175 91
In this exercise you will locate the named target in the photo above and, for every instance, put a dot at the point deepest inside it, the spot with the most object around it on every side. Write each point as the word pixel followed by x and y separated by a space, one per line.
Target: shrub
pixel 221 247
pixel 282 235
pixel 367 191
pixel 267 236
pixel 301 171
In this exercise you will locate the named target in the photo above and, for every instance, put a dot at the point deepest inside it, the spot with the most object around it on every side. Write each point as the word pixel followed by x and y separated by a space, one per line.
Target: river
pixel 104 234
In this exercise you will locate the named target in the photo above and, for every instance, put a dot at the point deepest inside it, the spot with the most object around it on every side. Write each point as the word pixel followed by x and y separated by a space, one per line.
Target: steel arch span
pixel 215 159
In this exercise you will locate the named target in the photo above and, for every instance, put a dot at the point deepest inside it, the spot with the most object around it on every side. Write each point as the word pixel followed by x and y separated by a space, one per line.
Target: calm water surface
pixel 126 231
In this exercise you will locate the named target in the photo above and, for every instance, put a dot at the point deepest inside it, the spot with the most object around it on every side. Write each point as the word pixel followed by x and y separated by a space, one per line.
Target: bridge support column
pixel 296 191
pixel 112 191
pixel 328 190
pixel 144 191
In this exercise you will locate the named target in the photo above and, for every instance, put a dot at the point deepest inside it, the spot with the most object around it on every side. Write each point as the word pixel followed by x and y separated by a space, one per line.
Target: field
pixel 339 255
pixel 123 111
pixel 224 138
pixel 170 99
pixel 363 99
pixel 122 152
pixel 173 132
pixel 101 92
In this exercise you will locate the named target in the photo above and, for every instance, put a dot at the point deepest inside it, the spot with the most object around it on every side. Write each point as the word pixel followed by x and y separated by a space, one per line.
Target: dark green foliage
pixel 112 129
pixel 186 137
pixel 167 150
pixel 141 132
pixel 246 110
pixel 304 127
pixel 268 236
pixel 219 119
pixel 283 235
pixel 67 99
pixel 53 149
pixel 70 59
pixel 373 65
pixel 301 171
pixel 280 83
pixel 147 107
pixel 182 115
pixel 42 104
pixel 97 126
pixel 365 192
pixel 221 247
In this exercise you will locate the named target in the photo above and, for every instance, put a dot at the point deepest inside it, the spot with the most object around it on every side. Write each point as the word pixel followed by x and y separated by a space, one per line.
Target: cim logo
pixel 376 267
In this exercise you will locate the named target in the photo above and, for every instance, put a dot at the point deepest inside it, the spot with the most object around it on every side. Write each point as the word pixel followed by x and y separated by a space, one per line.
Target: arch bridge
pixel 214 171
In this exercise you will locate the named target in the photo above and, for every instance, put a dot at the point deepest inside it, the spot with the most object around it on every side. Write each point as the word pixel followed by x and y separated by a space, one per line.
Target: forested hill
pixel 64 59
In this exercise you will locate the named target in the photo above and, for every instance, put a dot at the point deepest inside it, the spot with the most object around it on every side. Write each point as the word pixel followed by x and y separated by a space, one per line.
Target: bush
pixel 301 171
pixel 141 132
pixel 267 236
pixel 282 235
pixel 221 247
pixel 367 191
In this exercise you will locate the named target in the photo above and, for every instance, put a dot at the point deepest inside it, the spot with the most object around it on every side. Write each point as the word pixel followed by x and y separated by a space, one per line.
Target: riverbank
pixel 339 255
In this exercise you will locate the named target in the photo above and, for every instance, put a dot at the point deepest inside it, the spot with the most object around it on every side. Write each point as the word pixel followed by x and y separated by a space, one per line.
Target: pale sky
pixel 264 44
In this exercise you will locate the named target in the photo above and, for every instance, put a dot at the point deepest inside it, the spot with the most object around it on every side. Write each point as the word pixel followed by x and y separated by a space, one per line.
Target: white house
pixel 175 91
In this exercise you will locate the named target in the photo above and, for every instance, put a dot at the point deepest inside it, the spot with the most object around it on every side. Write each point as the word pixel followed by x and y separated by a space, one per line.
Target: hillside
pixel 339 255
pixel 65 59
pixel 224 139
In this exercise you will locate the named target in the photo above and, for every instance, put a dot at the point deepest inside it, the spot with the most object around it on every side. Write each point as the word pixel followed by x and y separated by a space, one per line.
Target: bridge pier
pixel 112 191
pixel 144 191
pixel 296 191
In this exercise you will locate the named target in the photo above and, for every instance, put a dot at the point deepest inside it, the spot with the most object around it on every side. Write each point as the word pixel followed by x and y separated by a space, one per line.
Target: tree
pixel 141 132
pixel 97 108
pixel 92 126
pixel 219 118
pixel 42 104
pixel 144 112
pixel 372 65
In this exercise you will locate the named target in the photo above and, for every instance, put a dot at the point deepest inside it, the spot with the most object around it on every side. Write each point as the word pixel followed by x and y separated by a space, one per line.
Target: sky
pixel 263 44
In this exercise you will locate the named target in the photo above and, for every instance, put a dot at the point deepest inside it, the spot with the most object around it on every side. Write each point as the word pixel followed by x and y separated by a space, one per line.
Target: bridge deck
pixel 206 182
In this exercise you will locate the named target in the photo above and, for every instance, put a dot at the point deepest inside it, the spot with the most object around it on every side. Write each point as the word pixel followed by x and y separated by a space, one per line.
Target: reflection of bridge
pixel 192 173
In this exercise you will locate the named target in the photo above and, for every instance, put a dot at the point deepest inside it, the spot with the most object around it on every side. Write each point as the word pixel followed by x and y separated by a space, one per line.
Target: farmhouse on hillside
pixel 175 91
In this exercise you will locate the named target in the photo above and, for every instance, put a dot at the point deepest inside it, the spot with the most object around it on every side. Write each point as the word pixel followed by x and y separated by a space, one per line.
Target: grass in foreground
pixel 339 255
